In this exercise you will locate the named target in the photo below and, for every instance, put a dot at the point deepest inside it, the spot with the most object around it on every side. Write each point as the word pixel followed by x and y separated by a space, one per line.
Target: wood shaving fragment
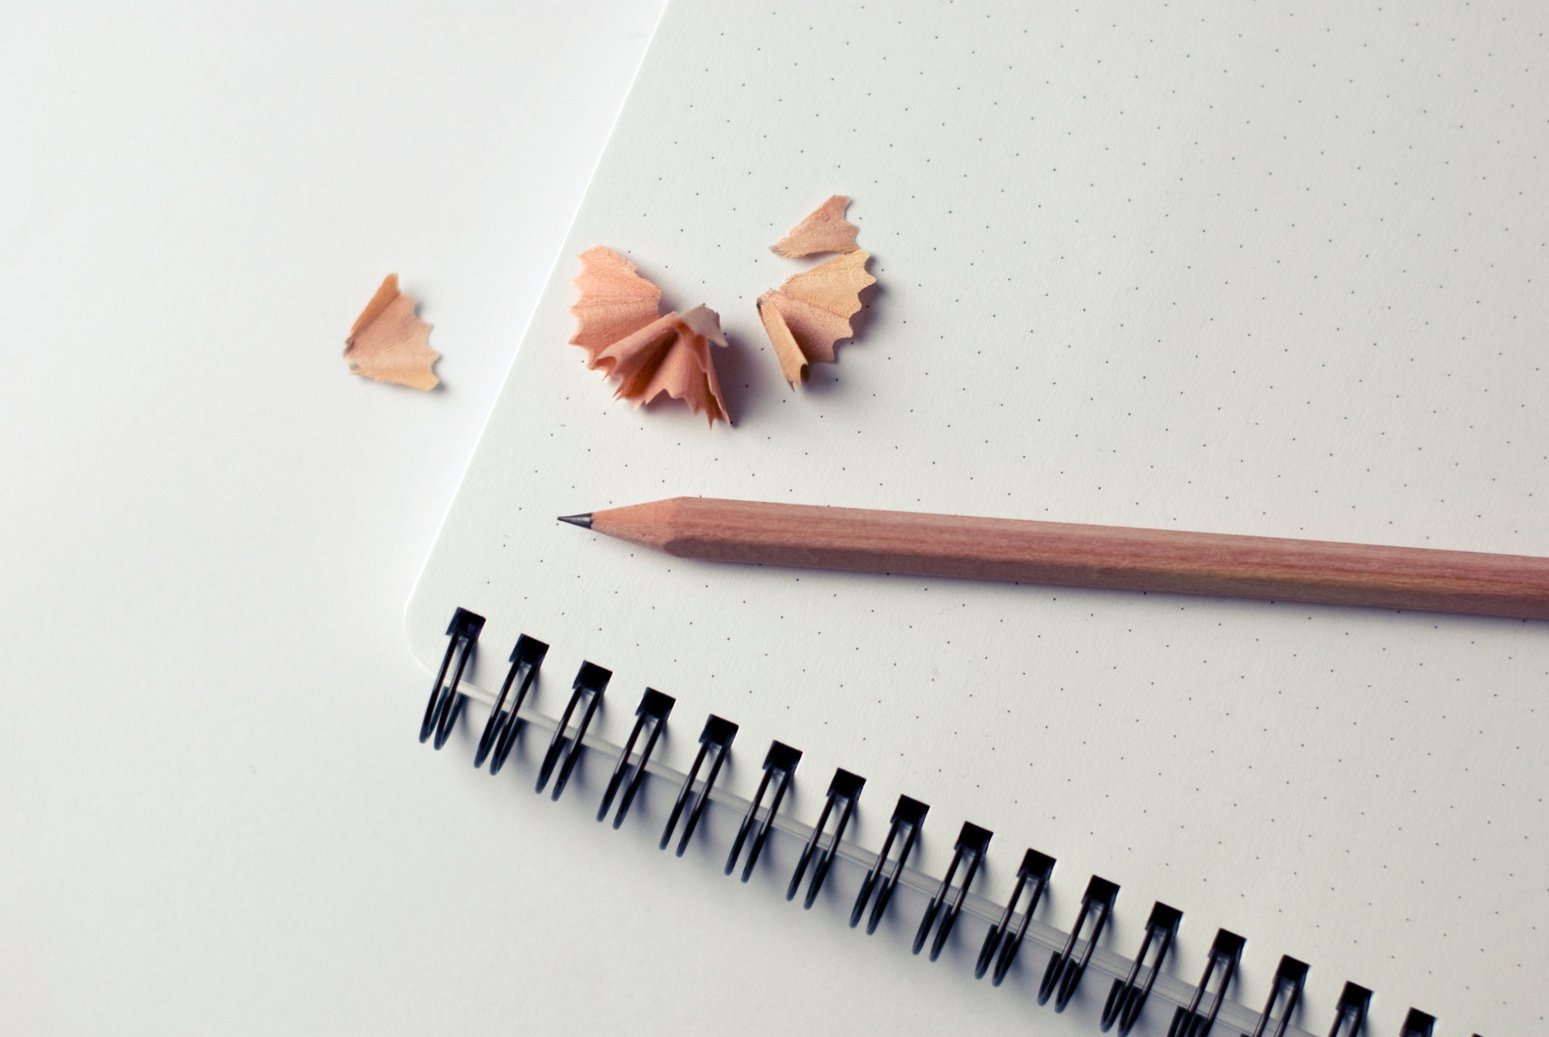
pixel 650 355
pixel 811 312
pixel 823 230
pixel 614 301
pixel 389 343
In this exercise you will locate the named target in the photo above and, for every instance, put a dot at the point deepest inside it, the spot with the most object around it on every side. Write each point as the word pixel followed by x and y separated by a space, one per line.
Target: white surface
pixel 214 814
pixel 1240 271
pixel 213 811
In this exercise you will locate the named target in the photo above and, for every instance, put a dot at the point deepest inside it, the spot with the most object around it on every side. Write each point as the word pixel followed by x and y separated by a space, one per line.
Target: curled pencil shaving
pixel 389 343
pixel 812 310
pixel 614 300
pixel 650 355
pixel 823 230
pixel 670 355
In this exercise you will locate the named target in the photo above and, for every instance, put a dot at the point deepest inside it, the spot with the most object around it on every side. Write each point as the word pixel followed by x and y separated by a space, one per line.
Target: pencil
pixel 1071 555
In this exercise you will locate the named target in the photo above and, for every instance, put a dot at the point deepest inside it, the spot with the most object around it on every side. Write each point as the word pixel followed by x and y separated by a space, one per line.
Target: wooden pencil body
pixel 1066 554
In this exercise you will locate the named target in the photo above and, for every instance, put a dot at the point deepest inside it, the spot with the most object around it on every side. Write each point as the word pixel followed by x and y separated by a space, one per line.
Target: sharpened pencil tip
pixel 584 521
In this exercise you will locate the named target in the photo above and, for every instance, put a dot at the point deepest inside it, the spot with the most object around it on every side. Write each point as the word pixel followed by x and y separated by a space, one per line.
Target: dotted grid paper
pixel 1265 269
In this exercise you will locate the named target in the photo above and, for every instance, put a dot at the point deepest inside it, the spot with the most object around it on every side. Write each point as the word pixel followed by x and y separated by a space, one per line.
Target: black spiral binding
pixel 1284 993
pixel 1350 1011
pixel 844 790
pixel 1127 997
pixel 1001 943
pixel 651 720
pixel 1196 1021
pixel 779 768
pixel 973 843
pixel 565 747
pixel 1066 966
pixel 446 700
pixel 882 879
pixel 505 719
pixel 714 745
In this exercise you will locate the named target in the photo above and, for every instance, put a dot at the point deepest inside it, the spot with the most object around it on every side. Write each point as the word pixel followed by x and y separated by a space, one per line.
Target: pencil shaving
pixel 823 230
pixel 388 343
pixel 811 312
pixel 649 355
pixel 614 300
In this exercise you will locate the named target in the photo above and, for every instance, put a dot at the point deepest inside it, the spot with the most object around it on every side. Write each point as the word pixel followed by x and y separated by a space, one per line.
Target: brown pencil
pixel 1070 555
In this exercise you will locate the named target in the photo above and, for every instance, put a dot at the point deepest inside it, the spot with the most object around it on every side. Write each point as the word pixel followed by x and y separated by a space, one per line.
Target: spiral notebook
pixel 1231 268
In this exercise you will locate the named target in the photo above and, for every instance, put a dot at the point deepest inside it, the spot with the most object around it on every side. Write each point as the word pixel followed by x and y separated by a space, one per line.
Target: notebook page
pixel 1235 269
